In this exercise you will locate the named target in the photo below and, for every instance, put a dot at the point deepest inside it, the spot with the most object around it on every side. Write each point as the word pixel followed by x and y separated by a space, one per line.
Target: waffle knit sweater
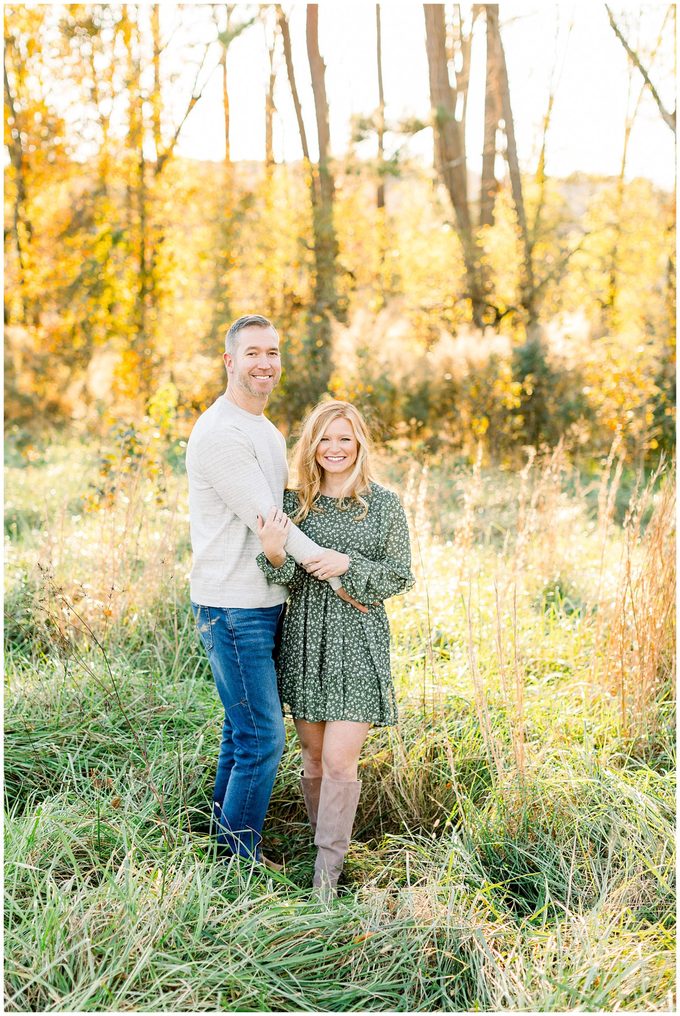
pixel 236 464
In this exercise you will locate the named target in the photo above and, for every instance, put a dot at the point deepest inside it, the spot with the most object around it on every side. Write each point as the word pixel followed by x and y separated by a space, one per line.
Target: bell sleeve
pixel 289 573
pixel 370 580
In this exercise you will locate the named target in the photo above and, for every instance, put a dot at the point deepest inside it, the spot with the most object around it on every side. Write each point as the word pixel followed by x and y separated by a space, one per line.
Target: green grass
pixel 514 845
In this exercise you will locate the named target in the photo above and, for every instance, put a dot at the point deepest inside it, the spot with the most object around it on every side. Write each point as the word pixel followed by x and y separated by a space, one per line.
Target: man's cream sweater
pixel 236 464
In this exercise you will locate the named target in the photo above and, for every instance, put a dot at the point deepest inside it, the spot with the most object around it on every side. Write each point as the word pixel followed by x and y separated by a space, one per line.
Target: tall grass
pixel 639 657
pixel 514 842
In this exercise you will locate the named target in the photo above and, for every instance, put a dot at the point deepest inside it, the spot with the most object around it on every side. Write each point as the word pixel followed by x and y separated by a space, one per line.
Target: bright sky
pixel 570 42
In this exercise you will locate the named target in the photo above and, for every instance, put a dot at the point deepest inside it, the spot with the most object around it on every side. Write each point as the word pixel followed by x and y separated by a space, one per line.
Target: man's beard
pixel 244 382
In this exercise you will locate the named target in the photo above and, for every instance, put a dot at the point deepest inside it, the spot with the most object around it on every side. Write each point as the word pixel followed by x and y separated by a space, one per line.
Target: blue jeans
pixel 240 647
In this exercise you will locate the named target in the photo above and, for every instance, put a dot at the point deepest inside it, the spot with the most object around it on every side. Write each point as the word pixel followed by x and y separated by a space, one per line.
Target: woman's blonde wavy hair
pixel 308 472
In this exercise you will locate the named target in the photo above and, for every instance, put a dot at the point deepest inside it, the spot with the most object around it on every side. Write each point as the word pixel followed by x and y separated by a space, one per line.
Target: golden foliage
pixel 142 263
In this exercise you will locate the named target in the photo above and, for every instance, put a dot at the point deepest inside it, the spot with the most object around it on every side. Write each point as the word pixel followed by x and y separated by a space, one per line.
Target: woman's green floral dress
pixel 334 661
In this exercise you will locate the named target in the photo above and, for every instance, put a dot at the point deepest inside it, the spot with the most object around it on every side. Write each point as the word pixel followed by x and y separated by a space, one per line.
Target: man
pixel 236 464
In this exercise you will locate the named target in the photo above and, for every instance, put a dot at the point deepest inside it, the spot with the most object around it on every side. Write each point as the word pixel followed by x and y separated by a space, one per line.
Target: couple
pixel 335 547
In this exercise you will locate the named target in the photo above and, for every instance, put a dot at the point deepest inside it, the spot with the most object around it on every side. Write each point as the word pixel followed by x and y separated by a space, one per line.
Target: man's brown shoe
pixel 272 865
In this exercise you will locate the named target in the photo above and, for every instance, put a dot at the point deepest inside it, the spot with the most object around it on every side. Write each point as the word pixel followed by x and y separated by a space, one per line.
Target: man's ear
pixel 228 362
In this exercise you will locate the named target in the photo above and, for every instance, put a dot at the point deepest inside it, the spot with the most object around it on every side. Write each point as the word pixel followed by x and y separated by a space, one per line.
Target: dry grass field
pixel 514 847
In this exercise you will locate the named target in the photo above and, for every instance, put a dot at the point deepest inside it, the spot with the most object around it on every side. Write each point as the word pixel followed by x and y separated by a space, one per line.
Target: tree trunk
pixel 381 111
pixel 144 267
pixel 464 43
pixel 225 94
pixel 528 293
pixel 450 147
pixel 270 108
pixel 21 222
pixel 290 70
pixel 489 187
pixel 156 95
pixel 141 372
pixel 382 225
pixel 325 301
pixel 318 72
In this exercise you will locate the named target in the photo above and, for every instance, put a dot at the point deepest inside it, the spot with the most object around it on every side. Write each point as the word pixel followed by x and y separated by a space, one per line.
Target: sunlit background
pixel 507 326
pixel 567 48
pixel 156 188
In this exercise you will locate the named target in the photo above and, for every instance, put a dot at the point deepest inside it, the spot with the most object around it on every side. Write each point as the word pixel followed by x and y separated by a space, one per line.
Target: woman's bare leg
pixel 342 743
pixel 311 737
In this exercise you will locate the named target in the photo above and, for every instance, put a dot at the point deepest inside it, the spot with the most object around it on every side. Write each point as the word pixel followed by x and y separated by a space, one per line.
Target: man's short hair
pixel 247 321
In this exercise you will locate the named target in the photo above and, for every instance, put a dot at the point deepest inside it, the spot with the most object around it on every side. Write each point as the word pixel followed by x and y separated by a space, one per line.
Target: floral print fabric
pixel 334 662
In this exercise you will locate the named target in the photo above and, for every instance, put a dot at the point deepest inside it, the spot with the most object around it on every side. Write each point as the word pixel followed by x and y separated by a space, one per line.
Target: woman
pixel 334 664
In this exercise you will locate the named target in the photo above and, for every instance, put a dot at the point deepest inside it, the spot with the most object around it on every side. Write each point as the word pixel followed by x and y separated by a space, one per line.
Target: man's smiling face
pixel 255 367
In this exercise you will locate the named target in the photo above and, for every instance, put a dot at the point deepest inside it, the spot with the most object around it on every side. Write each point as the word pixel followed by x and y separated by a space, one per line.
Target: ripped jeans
pixel 240 647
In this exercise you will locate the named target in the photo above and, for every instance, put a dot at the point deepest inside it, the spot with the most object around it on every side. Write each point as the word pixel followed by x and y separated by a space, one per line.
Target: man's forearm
pixel 243 487
pixel 301 549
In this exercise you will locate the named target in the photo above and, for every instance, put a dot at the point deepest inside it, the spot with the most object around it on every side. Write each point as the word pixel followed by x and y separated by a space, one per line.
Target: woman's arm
pixel 274 562
pixel 369 580
pixel 278 566
pixel 273 532
pixel 289 574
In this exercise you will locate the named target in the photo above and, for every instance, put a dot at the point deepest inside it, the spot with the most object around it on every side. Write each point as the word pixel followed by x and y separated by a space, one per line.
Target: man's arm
pixel 237 476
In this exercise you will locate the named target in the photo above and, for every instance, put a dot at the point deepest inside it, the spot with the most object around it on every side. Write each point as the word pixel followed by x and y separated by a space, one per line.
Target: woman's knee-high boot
pixel 338 802
pixel 311 788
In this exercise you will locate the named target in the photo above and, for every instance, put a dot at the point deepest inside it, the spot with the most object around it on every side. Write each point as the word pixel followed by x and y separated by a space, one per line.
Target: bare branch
pixel 285 34
pixel 561 263
pixel 668 118
pixel 195 96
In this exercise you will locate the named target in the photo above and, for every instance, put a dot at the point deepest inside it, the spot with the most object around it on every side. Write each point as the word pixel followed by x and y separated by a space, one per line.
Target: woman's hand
pixel 344 595
pixel 273 533
pixel 326 565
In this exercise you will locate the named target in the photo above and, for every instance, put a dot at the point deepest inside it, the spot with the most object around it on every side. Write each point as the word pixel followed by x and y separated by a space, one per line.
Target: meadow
pixel 514 847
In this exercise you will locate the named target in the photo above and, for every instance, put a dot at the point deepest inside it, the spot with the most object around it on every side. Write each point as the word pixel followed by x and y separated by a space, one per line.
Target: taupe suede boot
pixel 338 802
pixel 311 788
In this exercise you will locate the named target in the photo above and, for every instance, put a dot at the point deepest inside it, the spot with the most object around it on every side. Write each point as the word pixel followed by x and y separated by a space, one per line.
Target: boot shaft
pixel 338 801
pixel 311 789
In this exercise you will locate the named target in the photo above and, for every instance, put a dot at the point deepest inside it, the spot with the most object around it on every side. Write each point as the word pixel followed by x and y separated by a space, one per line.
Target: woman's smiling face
pixel 338 448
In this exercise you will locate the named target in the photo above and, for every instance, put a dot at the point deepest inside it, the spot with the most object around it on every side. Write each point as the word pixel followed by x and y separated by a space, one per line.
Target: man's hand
pixel 344 595
pixel 273 533
pixel 326 565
